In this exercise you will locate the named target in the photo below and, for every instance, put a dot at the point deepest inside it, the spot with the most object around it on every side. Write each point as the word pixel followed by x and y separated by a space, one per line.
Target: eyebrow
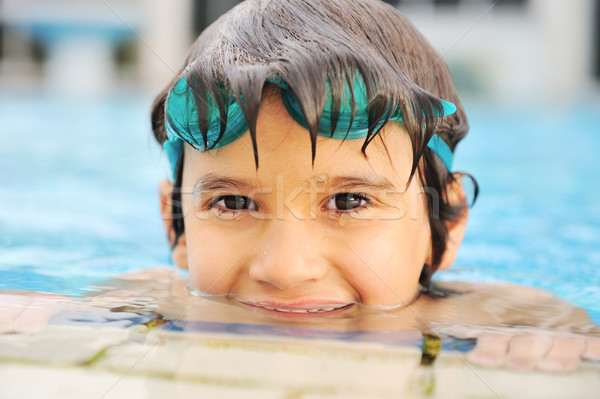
pixel 213 182
pixel 367 181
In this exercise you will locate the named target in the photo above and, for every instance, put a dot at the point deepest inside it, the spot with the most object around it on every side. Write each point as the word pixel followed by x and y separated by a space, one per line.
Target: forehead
pixel 284 148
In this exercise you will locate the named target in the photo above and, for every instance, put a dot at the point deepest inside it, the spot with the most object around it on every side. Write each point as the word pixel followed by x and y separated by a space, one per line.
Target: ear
pixel 457 227
pixel 179 252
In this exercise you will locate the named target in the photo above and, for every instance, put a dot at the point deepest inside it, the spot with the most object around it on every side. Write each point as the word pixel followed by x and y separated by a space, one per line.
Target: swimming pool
pixel 79 203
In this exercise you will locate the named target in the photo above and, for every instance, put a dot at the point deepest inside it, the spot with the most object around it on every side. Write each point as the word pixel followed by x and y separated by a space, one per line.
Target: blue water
pixel 537 220
pixel 79 202
pixel 78 191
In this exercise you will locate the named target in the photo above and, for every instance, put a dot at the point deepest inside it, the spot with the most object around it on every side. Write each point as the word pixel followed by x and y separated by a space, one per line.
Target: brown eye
pixel 234 203
pixel 347 201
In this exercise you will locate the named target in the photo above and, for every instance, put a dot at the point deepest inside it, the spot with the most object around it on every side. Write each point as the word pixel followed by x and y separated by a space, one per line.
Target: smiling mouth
pixel 313 310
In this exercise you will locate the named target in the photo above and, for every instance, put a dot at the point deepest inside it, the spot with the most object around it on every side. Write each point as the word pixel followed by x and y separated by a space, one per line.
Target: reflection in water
pixel 160 299
pixel 163 297
pixel 149 324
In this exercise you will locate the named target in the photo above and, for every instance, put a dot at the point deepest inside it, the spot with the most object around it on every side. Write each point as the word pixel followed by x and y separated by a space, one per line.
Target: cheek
pixel 383 262
pixel 213 251
pixel 205 266
pixel 213 261
pixel 209 250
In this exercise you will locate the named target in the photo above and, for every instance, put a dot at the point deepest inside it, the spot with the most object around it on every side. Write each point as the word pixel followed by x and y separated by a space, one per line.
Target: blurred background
pixel 507 49
pixel 79 171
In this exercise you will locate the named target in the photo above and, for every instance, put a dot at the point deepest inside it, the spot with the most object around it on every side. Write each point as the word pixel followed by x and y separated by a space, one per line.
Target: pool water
pixel 79 205
pixel 79 201
pixel 537 221
pixel 78 198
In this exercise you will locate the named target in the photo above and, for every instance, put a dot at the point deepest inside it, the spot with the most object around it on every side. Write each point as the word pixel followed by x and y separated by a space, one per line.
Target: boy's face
pixel 295 237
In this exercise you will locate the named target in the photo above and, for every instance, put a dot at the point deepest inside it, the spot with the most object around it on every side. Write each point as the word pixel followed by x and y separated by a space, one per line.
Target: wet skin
pixel 293 237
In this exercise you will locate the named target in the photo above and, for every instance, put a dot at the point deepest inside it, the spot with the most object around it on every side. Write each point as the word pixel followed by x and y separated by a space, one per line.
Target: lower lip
pixel 291 313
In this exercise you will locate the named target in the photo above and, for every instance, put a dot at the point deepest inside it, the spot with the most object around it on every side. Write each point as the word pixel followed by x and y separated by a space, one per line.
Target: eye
pixel 347 202
pixel 233 204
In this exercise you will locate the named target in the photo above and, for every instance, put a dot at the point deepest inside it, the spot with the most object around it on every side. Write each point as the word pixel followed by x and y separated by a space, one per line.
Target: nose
pixel 288 256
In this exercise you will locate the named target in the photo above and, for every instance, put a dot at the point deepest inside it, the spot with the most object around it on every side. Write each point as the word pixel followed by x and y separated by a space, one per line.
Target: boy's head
pixel 295 129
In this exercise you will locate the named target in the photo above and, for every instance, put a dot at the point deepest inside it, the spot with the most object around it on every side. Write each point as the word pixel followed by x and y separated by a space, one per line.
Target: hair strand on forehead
pixel 248 93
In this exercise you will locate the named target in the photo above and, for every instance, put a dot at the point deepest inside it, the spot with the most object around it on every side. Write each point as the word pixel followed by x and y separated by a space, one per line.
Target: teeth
pixel 329 309
pixel 315 310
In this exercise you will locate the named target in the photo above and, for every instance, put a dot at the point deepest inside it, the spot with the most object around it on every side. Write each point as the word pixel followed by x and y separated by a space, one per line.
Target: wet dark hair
pixel 309 42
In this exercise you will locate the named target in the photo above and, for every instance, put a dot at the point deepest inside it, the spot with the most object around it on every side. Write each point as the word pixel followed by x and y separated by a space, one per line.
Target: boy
pixel 311 144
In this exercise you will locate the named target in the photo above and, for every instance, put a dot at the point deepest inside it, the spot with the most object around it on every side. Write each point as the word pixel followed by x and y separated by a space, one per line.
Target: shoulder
pixel 159 274
pixel 511 304
pixel 509 290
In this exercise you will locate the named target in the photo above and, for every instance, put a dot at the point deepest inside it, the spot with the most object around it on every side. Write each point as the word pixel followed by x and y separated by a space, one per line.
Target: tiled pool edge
pixel 132 362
